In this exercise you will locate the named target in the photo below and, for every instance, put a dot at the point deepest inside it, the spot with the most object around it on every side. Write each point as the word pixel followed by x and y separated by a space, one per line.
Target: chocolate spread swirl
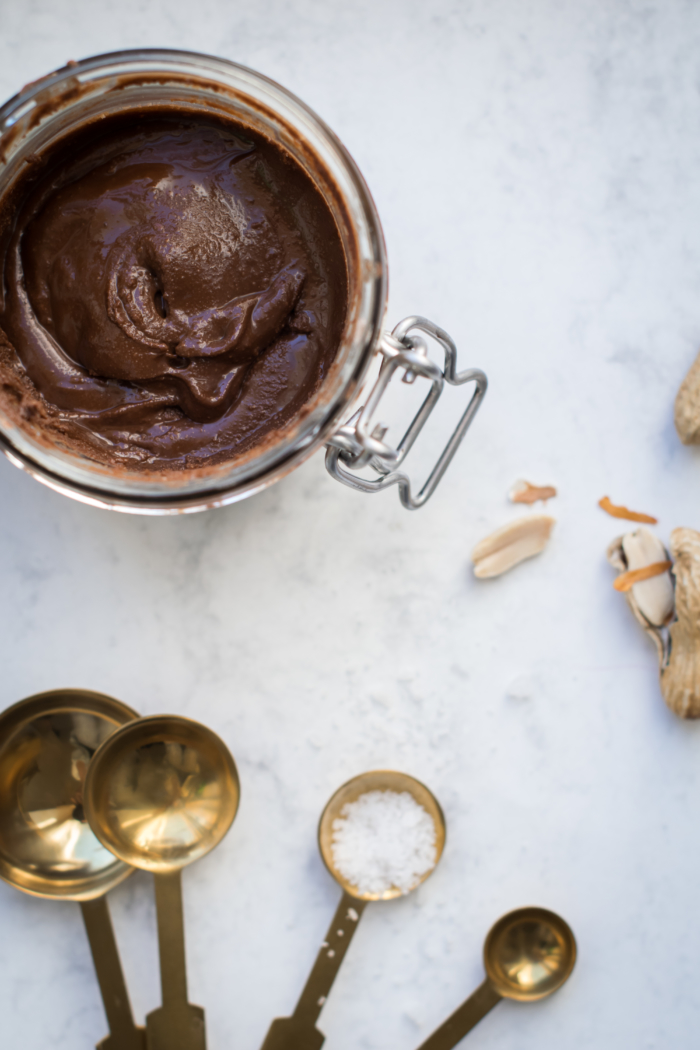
pixel 174 289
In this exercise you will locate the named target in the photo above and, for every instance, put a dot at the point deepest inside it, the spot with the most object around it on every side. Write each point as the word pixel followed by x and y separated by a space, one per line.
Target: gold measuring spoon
pixel 299 1032
pixel 161 793
pixel 528 954
pixel 46 846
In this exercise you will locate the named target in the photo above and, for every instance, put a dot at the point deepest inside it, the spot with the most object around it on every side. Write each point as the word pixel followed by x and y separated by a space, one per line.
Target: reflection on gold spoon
pixel 299 1032
pixel 46 846
pixel 528 954
pixel 161 793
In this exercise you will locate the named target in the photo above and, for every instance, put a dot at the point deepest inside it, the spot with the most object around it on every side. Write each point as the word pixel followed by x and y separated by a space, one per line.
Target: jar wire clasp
pixel 360 442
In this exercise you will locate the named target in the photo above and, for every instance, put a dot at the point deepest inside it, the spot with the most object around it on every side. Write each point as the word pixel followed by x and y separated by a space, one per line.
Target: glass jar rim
pixel 46 108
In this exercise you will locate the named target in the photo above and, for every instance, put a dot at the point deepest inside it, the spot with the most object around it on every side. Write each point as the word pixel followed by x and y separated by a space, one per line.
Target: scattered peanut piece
pixel 687 408
pixel 508 546
pixel 680 673
pixel 525 492
pixel 670 617
pixel 626 580
pixel 622 512
pixel 649 597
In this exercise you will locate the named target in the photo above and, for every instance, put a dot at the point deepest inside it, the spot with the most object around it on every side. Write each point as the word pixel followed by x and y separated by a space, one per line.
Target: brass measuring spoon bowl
pixel 160 794
pixel 528 955
pixel 299 1032
pixel 377 780
pixel 47 848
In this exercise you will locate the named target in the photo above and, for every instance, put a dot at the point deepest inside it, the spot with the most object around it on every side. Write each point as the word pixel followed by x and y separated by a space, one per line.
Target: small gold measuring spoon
pixel 528 954
pixel 299 1031
pixel 161 793
pixel 46 846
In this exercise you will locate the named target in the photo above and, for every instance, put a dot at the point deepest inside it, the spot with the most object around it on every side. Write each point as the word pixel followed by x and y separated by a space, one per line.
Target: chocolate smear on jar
pixel 174 290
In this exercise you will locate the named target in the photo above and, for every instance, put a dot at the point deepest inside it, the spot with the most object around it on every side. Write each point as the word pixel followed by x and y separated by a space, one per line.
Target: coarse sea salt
pixel 384 840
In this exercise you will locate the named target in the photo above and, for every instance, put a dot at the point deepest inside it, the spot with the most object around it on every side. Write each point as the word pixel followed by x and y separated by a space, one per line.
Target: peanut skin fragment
pixel 525 492
pixel 626 580
pixel 616 511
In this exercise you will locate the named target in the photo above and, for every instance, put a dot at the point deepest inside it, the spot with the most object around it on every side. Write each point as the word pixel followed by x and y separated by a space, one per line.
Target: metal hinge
pixel 360 442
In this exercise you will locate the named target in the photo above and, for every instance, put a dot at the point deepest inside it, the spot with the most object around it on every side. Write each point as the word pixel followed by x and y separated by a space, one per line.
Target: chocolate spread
pixel 174 290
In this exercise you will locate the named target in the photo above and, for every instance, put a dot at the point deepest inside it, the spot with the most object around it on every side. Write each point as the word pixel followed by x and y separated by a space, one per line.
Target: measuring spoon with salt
pixel 528 955
pixel 161 793
pixel 299 1032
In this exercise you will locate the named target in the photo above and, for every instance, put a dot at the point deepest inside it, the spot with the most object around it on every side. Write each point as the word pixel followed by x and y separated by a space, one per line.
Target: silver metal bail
pixel 360 442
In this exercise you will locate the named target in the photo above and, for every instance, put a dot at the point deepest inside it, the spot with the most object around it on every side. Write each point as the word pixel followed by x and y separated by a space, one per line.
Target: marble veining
pixel 536 170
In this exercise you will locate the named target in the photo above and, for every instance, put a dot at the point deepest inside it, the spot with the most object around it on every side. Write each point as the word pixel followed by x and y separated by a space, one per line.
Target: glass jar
pixel 47 110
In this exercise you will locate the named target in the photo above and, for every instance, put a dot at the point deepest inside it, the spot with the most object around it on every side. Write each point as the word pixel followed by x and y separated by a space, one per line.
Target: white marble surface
pixel 537 169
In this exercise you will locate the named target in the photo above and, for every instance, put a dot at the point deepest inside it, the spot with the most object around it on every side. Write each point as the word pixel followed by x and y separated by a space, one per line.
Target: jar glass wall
pixel 43 112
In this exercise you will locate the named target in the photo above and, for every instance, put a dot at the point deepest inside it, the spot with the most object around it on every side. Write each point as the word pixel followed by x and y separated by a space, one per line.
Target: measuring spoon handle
pixel 454 1029
pixel 299 1032
pixel 171 937
pixel 330 956
pixel 124 1034
pixel 177 1024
